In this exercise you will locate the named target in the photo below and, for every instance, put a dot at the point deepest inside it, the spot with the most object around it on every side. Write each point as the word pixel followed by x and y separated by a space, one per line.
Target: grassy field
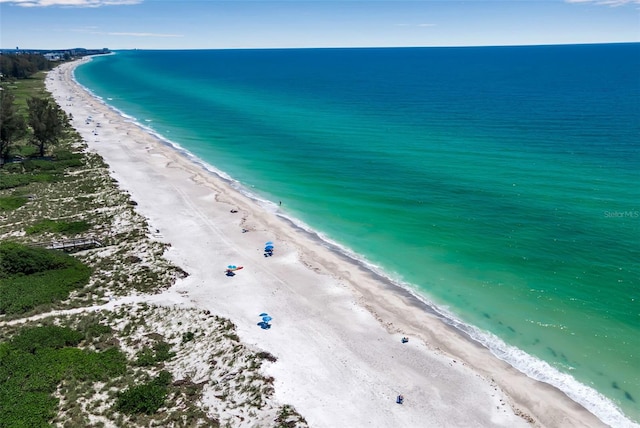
pixel 24 89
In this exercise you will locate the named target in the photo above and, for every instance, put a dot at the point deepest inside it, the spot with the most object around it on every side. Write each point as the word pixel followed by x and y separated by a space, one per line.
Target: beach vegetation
pixel 30 277
pixel 59 226
pixel 94 330
pixel 22 66
pixel 15 135
pixel 23 89
pixel 188 336
pixel 159 352
pixel 288 417
pixel 54 165
pixel 20 260
pixel 12 202
pixel 12 180
pixel 19 174
pixel 12 168
pixel 47 122
pixel 146 398
pixel 233 336
pixel 266 356
pixel 12 124
pixel 36 360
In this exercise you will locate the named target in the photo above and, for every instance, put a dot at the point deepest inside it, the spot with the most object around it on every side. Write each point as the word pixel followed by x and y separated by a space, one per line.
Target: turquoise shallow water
pixel 501 184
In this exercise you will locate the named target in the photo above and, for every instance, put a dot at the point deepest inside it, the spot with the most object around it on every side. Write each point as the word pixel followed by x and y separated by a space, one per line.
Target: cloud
pixel 613 3
pixel 70 3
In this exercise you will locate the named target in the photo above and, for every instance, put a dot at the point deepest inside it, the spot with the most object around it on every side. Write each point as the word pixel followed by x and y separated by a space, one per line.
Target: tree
pixel 22 66
pixel 12 124
pixel 47 121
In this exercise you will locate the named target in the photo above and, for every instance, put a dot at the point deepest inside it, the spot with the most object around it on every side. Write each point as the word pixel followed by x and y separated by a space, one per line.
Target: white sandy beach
pixel 336 328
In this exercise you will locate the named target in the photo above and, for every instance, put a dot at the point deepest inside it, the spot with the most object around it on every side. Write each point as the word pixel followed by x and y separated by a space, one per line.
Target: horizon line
pixel 337 47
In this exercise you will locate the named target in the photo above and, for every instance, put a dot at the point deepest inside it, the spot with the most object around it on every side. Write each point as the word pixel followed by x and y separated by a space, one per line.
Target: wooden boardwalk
pixel 72 245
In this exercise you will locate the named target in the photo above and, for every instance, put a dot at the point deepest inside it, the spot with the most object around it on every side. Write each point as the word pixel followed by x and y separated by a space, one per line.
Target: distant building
pixel 52 56
pixel 57 54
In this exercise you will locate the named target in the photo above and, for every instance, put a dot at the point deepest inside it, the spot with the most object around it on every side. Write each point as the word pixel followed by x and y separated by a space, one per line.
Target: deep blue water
pixel 501 184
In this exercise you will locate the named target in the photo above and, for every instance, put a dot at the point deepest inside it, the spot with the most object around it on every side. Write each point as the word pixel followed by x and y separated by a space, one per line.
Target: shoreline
pixel 337 327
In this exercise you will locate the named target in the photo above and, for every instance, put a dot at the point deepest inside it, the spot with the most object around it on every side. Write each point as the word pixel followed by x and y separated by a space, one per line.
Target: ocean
pixel 501 185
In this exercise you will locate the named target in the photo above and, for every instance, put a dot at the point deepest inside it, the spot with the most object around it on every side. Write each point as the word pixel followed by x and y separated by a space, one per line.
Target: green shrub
pixel 38 165
pixel 30 277
pixel 25 150
pixel 145 358
pixel 51 336
pixel 18 259
pixel 8 203
pixel 38 170
pixel 94 366
pixel 26 409
pixel 267 356
pixel 161 351
pixel 71 163
pixel 188 336
pixel 70 228
pixel 146 398
pixel 65 155
pixel 53 166
pixel 10 181
pixel 288 417
pixel 14 167
pixel 23 293
pixel 97 330
pixel 35 361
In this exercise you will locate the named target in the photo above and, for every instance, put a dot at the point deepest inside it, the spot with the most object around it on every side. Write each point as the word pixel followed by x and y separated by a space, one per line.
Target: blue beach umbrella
pixel 268 243
pixel 264 314
pixel 266 318
pixel 231 267
pixel 269 247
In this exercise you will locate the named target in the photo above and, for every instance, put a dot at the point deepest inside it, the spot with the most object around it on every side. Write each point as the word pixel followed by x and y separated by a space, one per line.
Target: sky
pixel 203 24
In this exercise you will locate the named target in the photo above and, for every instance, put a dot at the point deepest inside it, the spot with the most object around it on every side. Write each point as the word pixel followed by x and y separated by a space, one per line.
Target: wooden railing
pixel 71 245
